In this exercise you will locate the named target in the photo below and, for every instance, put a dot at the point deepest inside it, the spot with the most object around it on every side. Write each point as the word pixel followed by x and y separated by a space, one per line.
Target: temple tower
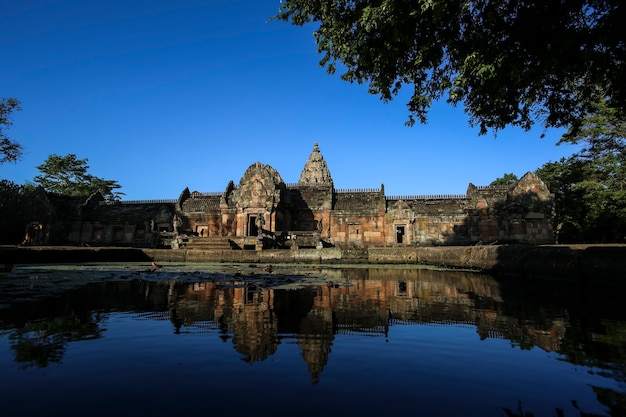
pixel 315 195
pixel 315 171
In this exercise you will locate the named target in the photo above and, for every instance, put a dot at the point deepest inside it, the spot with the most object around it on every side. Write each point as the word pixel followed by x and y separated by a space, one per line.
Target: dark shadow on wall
pixel 296 212
pixel 517 218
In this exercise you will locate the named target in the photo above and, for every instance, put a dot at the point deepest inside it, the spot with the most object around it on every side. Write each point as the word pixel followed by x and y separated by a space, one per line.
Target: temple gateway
pixel 264 212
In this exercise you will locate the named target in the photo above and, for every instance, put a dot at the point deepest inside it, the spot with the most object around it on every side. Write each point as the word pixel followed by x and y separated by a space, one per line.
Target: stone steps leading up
pixel 209 243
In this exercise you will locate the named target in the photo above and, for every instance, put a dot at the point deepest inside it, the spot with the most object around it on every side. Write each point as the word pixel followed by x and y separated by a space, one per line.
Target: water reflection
pixel 581 324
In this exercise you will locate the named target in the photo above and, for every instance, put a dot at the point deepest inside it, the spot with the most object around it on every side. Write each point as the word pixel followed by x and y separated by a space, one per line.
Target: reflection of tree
pixel 558 412
pixel 601 346
pixel 40 330
pixel 605 348
pixel 43 342
pixel 615 401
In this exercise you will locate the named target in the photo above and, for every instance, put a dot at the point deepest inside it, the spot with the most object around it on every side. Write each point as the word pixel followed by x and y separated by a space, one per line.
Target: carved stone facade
pixel 263 212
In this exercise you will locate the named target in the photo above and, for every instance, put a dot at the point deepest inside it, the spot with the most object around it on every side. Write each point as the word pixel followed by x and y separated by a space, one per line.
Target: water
pixel 195 340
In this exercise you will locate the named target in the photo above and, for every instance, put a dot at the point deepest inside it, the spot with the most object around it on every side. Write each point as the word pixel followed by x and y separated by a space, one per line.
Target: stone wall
pixel 587 264
pixel 262 206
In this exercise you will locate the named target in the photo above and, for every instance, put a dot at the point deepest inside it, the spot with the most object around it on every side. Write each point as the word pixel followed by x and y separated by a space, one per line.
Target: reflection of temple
pixel 262 212
pixel 358 303
pixel 259 319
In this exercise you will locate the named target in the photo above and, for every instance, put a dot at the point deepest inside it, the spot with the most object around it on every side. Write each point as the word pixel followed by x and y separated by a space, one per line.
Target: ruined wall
pixel 202 214
pixel 430 220
pixel 115 224
pixel 307 208
pixel 358 218
pixel 520 212
pixel 263 207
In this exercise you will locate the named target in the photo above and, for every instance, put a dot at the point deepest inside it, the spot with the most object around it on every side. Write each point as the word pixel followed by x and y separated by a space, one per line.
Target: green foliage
pixel 10 151
pixel 590 186
pixel 68 175
pixel 514 62
pixel 506 179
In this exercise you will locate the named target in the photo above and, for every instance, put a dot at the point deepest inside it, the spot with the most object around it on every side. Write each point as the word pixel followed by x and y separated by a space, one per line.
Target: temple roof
pixel 315 171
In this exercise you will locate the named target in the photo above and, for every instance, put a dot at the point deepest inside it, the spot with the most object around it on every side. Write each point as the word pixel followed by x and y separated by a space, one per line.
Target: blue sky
pixel 163 95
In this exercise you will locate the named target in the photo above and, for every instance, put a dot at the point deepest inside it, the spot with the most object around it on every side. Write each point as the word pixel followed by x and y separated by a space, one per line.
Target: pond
pixel 303 340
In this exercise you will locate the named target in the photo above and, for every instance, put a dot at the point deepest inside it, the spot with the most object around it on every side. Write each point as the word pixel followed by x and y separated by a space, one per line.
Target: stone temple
pixel 264 212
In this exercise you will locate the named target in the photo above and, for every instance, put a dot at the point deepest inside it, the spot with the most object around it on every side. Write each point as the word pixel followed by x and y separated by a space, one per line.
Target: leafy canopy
pixel 10 151
pixel 68 175
pixel 512 62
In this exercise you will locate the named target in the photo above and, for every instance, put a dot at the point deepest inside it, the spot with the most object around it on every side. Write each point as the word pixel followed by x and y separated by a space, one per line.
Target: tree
pixel 10 151
pixel 561 178
pixel 590 186
pixel 68 175
pixel 603 134
pixel 506 179
pixel 512 62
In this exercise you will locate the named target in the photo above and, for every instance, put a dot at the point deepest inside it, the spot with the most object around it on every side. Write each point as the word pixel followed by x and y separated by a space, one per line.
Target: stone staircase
pixel 210 243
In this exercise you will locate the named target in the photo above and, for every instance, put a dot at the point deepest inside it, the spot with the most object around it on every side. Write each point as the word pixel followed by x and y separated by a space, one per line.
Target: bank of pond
pixel 601 264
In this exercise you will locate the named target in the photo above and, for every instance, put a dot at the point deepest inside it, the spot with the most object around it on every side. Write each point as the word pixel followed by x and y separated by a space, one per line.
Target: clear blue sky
pixel 163 95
